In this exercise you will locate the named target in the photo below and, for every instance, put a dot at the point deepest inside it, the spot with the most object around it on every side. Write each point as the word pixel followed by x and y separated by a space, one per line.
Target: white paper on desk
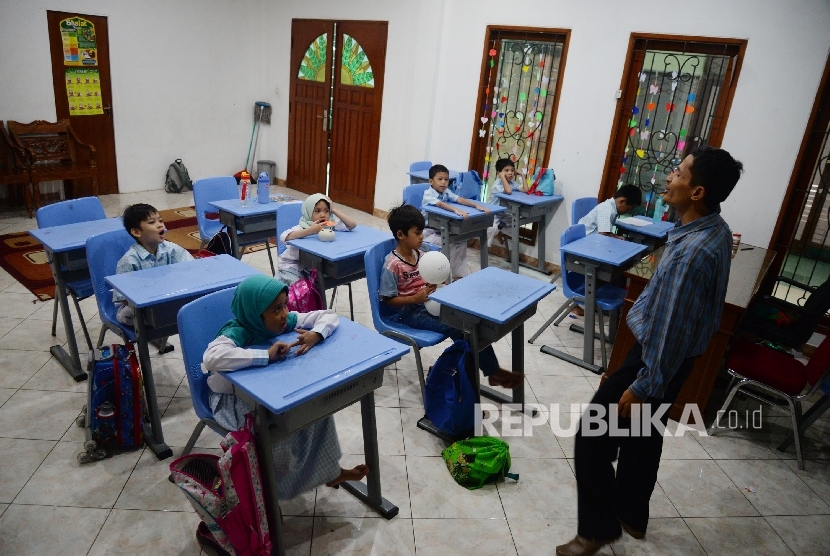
pixel 637 222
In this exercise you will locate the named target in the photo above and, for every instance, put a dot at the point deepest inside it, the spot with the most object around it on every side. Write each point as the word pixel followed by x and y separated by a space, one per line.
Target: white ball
pixel 326 234
pixel 433 307
pixel 434 267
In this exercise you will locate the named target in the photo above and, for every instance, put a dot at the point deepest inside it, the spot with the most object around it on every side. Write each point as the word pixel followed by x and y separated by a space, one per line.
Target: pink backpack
pixel 226 492
pixel 303 296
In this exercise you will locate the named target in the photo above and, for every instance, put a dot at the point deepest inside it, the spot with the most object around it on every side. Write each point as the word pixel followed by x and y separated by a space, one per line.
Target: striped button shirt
pixel 138 258
pixel 680 307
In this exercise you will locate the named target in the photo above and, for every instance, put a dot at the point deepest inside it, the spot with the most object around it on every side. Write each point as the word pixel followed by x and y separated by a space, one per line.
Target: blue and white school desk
pixel 340 261
pixel 486 305
pixel 294 392
pixel 250 224
pixel 65 248
pixel 652 235
pixel 422 176
pixel 527 209
pixel 455 228
pixel 597 257
pixel 156 295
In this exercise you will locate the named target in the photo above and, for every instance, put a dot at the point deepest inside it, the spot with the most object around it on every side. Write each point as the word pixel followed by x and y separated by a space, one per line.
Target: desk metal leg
pixel 514 238
pixel 541 243
pixel 234 241
pixel 70 361
pixel 154 438
pixel 590 308
pixel 370 493
pixel 483 255
pixel 321 281
pixel 264 448
pixel 445 239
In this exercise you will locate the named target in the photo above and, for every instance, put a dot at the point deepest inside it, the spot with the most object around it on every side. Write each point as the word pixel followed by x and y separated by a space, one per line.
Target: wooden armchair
pixel 54 153
pixel 14 165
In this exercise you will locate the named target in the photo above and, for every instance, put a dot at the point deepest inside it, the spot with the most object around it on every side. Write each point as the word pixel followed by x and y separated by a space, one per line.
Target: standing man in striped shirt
pixel 673 320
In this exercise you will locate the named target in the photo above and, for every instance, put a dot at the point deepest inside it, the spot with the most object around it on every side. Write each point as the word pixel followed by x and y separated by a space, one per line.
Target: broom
pixel 262 114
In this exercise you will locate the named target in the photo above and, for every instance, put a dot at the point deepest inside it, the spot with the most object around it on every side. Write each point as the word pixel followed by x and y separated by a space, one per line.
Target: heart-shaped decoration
pixel 525 68
pixel 493 114
pixel 692 97
pixel 520 116
pixel 670 106
pixel 518 128
pixel 632 131
pixel 641 153
pixel 622 169
pixel 504 99
pixel 487 91
pixel 484 119
pixel 690 109
pixel 651 106
pixel 541 63
pixel 492 52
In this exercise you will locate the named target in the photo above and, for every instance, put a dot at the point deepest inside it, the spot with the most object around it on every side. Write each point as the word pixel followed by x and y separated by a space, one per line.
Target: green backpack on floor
pixel 477 461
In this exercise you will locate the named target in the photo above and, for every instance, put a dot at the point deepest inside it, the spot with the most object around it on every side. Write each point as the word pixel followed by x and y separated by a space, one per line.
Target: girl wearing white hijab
pixel 317 211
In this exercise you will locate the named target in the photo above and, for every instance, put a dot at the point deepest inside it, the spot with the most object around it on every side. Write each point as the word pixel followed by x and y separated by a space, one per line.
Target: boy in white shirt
pixel 438 195
pixel 603 216
pixel 505 183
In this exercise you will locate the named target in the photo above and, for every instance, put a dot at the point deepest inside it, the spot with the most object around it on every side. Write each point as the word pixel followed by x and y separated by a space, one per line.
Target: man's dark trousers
pixel 605 499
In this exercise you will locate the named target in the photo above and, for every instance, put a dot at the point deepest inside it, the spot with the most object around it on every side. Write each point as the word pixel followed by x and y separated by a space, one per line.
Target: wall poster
pixel 83 89
pixel 79 46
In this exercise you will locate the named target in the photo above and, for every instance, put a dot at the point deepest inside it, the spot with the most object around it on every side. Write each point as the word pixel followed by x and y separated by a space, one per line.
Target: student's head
pixel 407 224
pixel 259 305
pixel 628 197
pixel 316 208
pixel 144 223
pixel 704 179
pixel 439 178
pixel 505 169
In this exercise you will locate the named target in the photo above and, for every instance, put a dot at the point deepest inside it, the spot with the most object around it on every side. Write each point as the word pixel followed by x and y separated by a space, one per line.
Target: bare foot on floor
pixel 354 474
pixel 505 379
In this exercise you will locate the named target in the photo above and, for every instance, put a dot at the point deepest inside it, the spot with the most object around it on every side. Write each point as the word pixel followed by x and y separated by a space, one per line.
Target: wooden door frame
pixel 801 178
pixel 518 33
pixel 629 83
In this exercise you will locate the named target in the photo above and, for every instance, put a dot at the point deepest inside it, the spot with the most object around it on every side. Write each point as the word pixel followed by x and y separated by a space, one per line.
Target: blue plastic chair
pixel 199 321
pixel 414 194
pixel 72 212
pixel 468 185
pixel 608 298
pixel 582 206
pixel 417 166
pixel 220 188
pixel 103 252
pixel 288 216
pixel 381 315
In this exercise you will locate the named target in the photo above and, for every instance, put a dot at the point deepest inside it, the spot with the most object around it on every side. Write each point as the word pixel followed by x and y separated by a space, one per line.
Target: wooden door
pixel 355 132
pixel 79 48
pixel 309 104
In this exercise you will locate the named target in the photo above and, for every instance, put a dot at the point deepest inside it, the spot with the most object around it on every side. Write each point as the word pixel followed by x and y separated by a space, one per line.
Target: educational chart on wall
pixel 79 46
pixel 83 89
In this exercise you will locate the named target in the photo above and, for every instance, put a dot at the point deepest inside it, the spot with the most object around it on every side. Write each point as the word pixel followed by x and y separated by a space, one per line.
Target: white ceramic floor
pixel 729 494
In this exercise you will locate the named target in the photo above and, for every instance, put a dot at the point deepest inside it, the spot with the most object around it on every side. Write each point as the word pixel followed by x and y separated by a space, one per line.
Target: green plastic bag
pixel 477 461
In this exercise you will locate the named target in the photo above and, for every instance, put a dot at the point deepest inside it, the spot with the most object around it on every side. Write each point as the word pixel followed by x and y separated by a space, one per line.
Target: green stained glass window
pixel 355 68
pixel 313 66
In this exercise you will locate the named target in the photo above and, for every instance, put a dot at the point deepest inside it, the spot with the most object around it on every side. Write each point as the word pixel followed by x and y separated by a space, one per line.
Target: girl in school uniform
pixel 317 212
pixel 309 457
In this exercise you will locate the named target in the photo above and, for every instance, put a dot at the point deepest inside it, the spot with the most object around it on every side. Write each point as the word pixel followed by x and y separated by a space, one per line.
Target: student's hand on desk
pixel 461 213
pixel 306 339
pixel 278 350
pixel 626 401
pixel 423 295
pixel 485 210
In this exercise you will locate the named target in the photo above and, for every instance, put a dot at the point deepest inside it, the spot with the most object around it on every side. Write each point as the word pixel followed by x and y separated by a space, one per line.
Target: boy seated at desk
pixel 438 195
pixel 602 217
pixel 505 183
pixel 402 288
pixel 145 224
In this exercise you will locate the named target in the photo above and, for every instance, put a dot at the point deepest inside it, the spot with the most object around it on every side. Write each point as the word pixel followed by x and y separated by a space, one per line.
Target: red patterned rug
pixel 23 256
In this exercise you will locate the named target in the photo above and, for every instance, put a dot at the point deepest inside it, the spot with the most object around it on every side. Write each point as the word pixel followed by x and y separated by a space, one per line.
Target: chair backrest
pixel 570 279
pixel 582 206
pixel 819 364
pixel 468 185
pixel 414 194
pixel 70 212
pixel 103 251
pixel 373 262
pixel 199 321
pixel 206 190
pixel 814 308
pixel 288 216
pixel 45 141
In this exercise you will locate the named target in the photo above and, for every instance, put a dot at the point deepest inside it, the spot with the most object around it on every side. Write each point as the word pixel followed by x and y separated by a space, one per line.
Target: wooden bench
pixel 14 166
pixel 54 153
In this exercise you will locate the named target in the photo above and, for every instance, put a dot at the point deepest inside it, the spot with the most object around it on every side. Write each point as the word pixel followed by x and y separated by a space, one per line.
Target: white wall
pixel 212 59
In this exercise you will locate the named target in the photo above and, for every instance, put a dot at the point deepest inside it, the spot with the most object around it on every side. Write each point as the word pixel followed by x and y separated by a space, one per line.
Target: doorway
pixel 334 108
pixel 79 48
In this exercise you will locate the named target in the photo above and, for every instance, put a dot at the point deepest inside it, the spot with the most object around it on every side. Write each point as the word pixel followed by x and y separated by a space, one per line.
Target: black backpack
pixel 177 178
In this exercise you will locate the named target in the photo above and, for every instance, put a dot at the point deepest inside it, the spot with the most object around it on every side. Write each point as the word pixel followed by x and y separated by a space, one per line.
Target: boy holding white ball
pixel 403 288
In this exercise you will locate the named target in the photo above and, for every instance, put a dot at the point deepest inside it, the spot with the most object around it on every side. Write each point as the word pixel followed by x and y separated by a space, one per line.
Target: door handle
pixel 325 117
pixel 108 110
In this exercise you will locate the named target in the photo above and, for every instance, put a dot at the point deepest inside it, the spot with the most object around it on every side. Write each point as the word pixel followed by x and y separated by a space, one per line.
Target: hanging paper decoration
pixel 641 153
pixel 653 89
pixel 484 119
pixel 670 106
pixel 522 95
pixel 635 110
pixel 691 97
pixel 539 116
pixel 651 106
pixel 525 68
pixel 482 132
pixel 690 109
pixel 520 116
pixel 492 52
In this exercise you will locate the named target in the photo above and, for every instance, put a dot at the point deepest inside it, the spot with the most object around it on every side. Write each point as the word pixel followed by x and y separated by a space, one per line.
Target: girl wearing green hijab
pixel 310 457
pixel 317 214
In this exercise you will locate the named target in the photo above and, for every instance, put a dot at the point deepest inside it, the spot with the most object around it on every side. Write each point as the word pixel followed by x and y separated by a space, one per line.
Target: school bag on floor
pixel 303 296
pixel 449 398
pixel 116 410
pixel 227 494
pixel 542 182
pixel 177 178
pixel 220 243
pixel 477 461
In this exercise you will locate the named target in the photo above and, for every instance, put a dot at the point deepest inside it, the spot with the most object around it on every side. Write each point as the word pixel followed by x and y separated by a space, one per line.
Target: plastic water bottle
pixel 263 192
pixel 245 189
pixel 659 209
